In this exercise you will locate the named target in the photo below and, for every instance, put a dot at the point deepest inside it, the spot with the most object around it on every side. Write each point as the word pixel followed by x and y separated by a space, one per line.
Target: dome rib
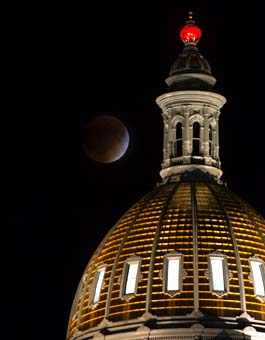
pixel 235 246
pixel 80 295
pixel 88 272
pixel 83 287
pixel 74 309
pixel 195 247
pixel 246 207
pixel 152 259
pixel 111 281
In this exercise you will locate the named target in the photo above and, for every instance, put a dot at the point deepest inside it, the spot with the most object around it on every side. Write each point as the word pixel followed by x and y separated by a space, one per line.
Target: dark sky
pixel 79 61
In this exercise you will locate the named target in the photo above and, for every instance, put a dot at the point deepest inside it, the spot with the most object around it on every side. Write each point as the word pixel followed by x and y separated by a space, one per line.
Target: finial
pixel 190 15
pixel 190 33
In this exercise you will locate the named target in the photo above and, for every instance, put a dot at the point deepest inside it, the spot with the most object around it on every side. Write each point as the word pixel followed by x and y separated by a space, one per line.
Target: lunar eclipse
pixel 105 139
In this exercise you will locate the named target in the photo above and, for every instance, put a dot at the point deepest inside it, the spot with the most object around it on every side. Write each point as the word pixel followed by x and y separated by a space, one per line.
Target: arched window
pixel 196 139
pixel 210 140
pixel 179 140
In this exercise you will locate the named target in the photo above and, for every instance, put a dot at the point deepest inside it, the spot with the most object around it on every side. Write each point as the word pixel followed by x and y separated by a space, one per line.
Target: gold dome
pixel 195 217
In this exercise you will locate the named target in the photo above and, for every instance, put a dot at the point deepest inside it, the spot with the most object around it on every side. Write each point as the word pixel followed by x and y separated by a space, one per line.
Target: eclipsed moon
pixel 105 139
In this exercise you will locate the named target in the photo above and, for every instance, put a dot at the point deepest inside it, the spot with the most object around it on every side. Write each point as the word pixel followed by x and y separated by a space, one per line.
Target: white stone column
pixel 206 132
pixel 190 138
pixel 216 139
pixel 165 144
pixel 201 139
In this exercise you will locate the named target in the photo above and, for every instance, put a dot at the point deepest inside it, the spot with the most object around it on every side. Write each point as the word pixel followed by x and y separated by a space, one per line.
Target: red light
pixel 190 34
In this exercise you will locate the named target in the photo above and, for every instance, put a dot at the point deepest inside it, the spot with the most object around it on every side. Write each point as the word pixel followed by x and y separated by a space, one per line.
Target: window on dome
pixel 179 139
pixel 218 273
pixel 97 285
pixel 173 273
pixel 257 276
pixel 130 277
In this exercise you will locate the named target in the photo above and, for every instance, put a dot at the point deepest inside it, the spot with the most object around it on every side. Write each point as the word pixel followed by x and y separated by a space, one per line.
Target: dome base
pixel 186 77
pixel 181 169
pixel 205 327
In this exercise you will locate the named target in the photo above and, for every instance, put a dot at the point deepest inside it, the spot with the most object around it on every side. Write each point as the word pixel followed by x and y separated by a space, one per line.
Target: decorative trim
pixel 190 97
pixel 184 76
pixel 180 169
pixel 245 315
pixel 105 323
pixel 152 259
pixel 195 248
pixel 237 257
pixel 82 292
pixel 195 314
pixel 147 316
pixel 77 332
pixel 178 118
pixel 114 267
pixel 98 336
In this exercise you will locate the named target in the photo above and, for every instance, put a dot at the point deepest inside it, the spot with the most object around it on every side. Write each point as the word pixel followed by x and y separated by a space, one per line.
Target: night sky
pixel 79 61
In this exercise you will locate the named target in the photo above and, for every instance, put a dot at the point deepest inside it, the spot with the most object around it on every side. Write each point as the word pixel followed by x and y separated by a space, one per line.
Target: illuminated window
pixel 130 277
pixel 173 273
pixel 218 273
pixel 257 276
pixel 97 285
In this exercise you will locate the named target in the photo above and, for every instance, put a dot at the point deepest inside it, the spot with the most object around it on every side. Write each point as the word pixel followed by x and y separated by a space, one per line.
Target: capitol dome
pixel 187 261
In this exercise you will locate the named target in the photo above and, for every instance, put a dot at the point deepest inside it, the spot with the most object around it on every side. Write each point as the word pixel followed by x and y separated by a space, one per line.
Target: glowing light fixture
pixel 190 33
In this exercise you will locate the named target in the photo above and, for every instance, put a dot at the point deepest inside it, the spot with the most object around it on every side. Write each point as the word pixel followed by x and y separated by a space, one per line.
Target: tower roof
pixel 188 69
pixel 190 60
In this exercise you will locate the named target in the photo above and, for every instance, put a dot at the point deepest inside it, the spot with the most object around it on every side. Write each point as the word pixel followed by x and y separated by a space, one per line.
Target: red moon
pixel 105 139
